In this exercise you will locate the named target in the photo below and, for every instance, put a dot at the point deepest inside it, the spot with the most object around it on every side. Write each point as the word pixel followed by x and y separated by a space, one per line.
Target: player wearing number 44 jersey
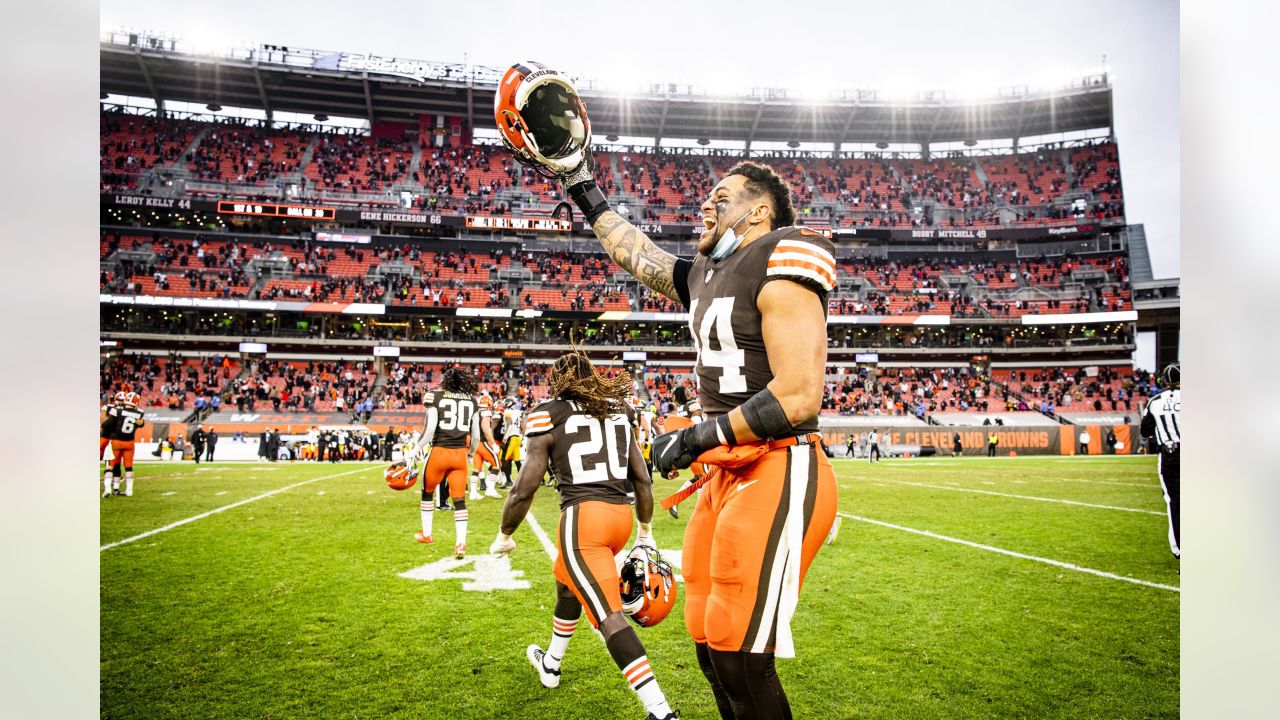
pixel 585 431
pixel 757 300
pixel 445 451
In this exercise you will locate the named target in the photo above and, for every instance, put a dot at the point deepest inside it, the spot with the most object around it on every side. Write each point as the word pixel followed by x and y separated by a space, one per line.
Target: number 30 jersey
pixel 723 317
pixel 454 413
pixel 590 455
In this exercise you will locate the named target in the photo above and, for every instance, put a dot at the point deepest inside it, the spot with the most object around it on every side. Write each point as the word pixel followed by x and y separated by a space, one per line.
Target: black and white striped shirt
pixel 1160 421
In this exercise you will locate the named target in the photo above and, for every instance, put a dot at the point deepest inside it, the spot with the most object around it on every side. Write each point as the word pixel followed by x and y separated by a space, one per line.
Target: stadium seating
pixel 167 382
pixel 890 192
pixel 562 281
pixel 1074 388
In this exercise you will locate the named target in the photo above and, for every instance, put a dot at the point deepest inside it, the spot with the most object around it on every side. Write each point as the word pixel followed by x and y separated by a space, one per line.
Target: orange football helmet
pixel 541 119
pixel 131 398
pixel 400 477
pixel 648 586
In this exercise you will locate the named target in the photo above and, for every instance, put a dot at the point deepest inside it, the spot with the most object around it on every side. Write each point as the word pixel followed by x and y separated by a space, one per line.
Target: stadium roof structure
pixel 382 89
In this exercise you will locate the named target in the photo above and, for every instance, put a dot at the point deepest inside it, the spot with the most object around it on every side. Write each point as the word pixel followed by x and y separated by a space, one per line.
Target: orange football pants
pixel 102 446
pixel 484 454
pixel 446 465
pixel 738 540
pixel 591 533
pixel 122 450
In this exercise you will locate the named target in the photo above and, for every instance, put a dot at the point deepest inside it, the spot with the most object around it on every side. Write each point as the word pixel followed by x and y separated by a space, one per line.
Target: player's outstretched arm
pixel 637 254
pixel 537 450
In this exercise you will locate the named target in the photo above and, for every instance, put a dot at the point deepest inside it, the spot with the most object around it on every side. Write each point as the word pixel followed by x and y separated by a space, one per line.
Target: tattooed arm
pixel 637 254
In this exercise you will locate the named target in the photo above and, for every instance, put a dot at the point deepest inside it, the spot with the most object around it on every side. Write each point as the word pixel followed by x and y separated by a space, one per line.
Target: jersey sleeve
pixel 539 420
pixel 804 257
pixel 680 278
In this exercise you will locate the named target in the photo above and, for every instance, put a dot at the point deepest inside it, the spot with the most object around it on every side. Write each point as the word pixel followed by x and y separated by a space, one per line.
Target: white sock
pixel 645 685
pixel 128 483
pixel 561 634
pixel 427 508
pixel 460 523
pixel 475 481
pixel 106 482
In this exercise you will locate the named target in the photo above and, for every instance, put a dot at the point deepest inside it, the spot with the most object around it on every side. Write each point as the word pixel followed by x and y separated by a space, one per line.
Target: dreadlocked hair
pixel 572 377
pixel 455 379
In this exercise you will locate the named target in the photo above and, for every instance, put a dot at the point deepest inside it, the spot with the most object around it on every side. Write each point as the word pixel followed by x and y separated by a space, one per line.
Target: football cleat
pixel 491 493
pixel 548 677
pixel 674 512
pixel 106 492
pixel 459 551
pixel 475 495
pixel 673 715
pixel 444 508
pixel 426 539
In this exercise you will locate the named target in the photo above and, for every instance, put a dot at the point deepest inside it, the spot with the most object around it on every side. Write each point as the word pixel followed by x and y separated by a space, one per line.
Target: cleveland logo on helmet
pixel 541 119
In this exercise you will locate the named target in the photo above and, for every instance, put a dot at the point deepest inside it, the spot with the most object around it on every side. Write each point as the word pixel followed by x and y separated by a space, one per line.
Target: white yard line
pixel 1010 553
pixel 215 511
pixel 1027 497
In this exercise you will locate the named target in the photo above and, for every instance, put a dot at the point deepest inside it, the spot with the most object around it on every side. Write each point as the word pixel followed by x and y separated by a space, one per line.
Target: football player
pixel 585 431
pixel 107 420
pixel 512 432
pixel 445 450
pixel 756 294
pixel 485 464
pixel 121 428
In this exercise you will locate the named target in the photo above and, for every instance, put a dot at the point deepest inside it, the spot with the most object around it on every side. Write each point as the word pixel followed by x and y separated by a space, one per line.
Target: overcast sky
pixel 801 44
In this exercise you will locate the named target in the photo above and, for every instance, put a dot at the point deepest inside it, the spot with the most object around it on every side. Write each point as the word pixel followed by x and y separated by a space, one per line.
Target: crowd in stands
pixel 168 382
pixel 1078 389
pixel 308 385
pixel 1044 187
pixel 204 266
pixel 910 391
pixel 245 154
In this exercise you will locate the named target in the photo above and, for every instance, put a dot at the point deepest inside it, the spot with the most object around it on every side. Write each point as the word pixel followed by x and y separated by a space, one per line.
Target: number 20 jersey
pixel 454 412
pixel 590 456
pixel 725 321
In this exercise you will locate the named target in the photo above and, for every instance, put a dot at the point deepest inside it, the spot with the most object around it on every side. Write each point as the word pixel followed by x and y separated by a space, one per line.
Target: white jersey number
pixel 455 415
pixel 719 317
pixel 616 431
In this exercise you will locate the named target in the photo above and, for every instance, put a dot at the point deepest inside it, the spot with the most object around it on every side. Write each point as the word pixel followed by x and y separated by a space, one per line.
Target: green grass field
pixel 292 605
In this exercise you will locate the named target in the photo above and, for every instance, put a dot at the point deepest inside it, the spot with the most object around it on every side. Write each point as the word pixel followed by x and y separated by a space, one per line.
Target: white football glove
pixel 644 538
pixel 502 545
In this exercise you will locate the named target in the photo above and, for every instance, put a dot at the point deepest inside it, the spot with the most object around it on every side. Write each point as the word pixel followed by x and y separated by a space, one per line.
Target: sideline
pixel 215 511
pixel 1010 553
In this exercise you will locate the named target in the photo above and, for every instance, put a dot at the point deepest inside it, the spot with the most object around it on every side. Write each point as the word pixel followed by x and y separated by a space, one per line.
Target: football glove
pixel 677 450
pixel 502 545
pixel 644 538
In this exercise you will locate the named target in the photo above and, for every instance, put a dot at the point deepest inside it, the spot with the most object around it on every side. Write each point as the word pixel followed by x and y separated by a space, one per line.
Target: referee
pixel 1160 422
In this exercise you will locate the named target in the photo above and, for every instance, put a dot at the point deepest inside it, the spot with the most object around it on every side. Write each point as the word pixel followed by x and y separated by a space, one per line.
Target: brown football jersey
pixel 125 423
pixel 590 456
pixel 723 317
pixel 454 412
